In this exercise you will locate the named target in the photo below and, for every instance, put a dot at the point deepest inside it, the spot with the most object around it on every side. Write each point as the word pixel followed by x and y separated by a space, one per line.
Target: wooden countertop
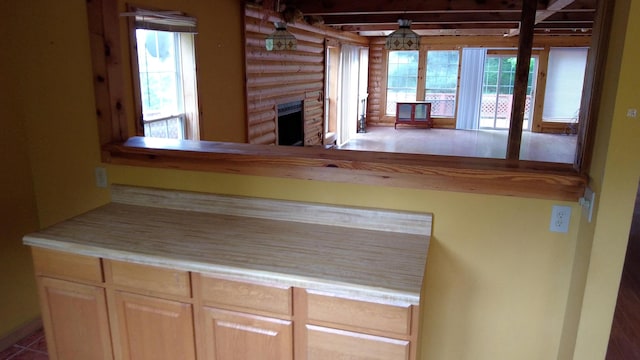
pixel 359 261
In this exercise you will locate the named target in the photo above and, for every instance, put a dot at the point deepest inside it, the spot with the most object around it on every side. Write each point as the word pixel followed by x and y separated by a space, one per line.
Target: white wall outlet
pixel 632 113
pixel 560 216
pixel 101 177
pixel 587 202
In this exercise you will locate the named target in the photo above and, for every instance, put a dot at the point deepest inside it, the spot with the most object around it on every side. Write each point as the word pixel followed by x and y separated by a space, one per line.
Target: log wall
pixel 377 83
pixel 276 77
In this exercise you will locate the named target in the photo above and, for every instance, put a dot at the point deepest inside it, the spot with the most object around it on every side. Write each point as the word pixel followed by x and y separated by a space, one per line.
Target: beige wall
pixel 498 283
pixel 615 176
pixel 18 302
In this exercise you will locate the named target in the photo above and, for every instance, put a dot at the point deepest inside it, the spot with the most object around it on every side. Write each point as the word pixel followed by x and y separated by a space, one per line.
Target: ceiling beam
pixel 425 18
pixel 324 7
pixel 505 26
pixel 555 5
pixel 432 16
pixel 541 15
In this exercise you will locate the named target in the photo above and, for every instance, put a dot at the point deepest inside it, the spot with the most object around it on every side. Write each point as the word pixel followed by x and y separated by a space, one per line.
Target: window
pixel 442 81
pixel 563 94
pixel 166 96
pixel 402 78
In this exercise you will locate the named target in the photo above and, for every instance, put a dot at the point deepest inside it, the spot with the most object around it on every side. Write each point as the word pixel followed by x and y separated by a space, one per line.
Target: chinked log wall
pixel 377 76
pixel 276 77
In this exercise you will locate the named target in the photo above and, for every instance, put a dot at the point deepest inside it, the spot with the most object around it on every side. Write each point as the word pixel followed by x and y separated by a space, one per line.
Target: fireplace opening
pixel 290 124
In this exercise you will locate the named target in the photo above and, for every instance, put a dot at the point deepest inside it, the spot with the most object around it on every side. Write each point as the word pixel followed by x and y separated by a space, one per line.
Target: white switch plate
pixel 587 202
pixel 101 177
pixel 560 216
pixel 632 113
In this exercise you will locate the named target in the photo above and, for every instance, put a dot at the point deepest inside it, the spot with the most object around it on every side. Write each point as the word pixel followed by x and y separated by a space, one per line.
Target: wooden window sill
pixel 444 173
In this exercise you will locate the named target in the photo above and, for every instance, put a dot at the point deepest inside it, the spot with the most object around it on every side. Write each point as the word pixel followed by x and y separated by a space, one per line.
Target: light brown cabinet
pixel 328 343
pixel 153 328
pixel 346 328
pixel 159 274
pixel 124 310
pixel 75 320
pixel 245 321
pixel 231 335
pixel 73 305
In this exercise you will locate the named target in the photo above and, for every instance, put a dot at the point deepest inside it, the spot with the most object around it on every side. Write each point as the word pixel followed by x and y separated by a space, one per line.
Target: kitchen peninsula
pixel 159 274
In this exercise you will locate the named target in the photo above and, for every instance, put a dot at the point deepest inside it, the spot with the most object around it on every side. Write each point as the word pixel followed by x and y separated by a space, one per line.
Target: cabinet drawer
pixel 246 295
pixel 360 314
pixel 149 278
pixel 325 343
pixel 66 265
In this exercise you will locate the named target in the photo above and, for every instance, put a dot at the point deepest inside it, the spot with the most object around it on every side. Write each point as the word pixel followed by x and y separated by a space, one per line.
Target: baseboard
pixel 20 332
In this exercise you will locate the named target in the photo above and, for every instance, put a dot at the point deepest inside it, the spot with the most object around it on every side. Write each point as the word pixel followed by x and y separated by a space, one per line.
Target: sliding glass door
pixel 497 92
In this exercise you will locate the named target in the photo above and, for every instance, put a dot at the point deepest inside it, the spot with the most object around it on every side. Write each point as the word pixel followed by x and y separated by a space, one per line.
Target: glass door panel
pixel 404 111
pixel 497 92
pixel 421 112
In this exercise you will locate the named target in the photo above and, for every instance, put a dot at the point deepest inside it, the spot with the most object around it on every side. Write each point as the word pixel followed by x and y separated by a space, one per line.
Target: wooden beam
pixel 440 173
pixel 315 7
pixel 104 38
pixel 541 15
pixel 555 5
pixel 417 27
pixel 423 18
pixel 525 46
pixel 496 33
pixel 593 86
pixel 482 18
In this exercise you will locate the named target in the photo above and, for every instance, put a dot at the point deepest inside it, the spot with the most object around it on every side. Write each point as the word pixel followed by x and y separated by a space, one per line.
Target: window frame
pixel 184 46
pixel 487 176
pixel 419 80
pixel 457 89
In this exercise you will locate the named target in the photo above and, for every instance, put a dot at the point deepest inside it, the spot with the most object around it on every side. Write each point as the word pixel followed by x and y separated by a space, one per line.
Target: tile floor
pixel 32 347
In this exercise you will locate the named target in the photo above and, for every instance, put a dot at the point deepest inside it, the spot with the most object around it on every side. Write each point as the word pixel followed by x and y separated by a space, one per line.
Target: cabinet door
pixel 326 343
pixel 404 112
pixel 420 113
pixel 238 336
pixel 152 328
pixel 75 320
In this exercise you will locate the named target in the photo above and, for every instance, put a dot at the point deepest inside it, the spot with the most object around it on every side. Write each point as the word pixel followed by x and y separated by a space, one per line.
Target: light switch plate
pixel 101 177
pixel 587 202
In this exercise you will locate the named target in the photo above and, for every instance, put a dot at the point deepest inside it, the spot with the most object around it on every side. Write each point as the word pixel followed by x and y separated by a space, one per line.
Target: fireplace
pixel 290 124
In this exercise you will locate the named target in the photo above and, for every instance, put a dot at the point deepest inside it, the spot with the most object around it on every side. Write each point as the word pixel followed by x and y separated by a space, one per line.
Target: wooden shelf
pixel 443 173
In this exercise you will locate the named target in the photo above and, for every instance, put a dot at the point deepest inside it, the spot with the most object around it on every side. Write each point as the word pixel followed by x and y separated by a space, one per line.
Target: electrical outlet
pixel 101 177
pixel 560 216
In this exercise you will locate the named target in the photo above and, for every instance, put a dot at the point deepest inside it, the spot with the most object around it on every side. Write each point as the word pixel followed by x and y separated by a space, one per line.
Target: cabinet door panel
pixel 152 328
pixel 326 343
pixel 75 320
pixel 237 336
